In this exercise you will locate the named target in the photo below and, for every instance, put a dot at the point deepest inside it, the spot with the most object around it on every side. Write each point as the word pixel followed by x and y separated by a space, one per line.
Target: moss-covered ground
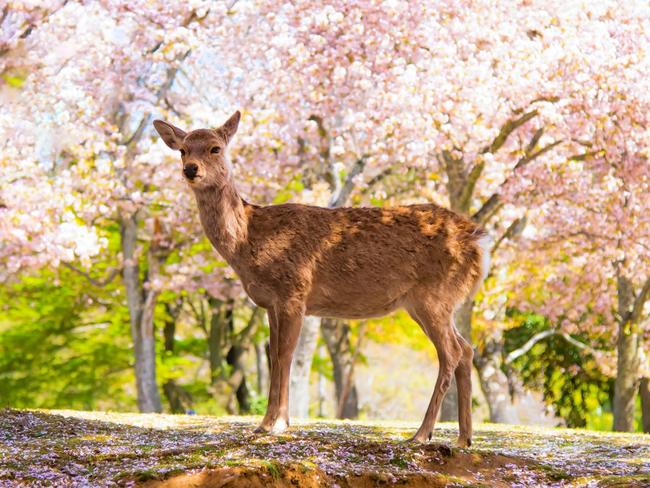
pixel 68 448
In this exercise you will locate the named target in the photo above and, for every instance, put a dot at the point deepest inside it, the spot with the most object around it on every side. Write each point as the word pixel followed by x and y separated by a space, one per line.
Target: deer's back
pixel 340 258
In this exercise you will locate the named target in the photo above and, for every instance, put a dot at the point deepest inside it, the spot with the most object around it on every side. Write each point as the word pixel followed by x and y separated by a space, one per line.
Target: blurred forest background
pixel 532 117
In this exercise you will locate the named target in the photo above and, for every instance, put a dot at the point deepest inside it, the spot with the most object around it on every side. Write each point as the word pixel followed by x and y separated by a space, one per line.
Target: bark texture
pixel 644 392
pixel 262 366
pixel 628 361
pixel 141 305
pixel 179 399
pixel 336 335
pixel 301 368
pixel 227 371
pixel 494 382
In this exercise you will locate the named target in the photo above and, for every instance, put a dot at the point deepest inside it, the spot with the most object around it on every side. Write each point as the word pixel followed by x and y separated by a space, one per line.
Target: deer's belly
pixel 352 305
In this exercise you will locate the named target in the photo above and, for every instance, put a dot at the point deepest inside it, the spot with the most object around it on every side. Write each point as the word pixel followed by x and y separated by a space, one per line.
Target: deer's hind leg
pixel 436 320
pixel 464 385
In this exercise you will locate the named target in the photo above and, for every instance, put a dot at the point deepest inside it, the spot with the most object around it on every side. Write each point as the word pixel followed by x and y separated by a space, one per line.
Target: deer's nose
pixel 190 170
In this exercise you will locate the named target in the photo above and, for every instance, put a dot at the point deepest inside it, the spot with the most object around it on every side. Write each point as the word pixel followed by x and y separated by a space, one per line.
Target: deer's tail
pixel 484 243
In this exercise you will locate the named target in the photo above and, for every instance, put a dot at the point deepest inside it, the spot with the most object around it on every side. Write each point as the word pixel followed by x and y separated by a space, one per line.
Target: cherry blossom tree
pixel 592 220
pixel 84 81
pixel 390 101
pixel 470 104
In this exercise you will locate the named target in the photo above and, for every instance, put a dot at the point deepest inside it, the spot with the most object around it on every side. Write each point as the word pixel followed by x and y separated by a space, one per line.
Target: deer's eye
pixel 215 150
pixel 182 152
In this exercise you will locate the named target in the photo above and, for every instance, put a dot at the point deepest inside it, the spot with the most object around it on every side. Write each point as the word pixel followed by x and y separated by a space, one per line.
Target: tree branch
pixel 341 196
pixel 530 157
pixel 488 209
pixel 492 204
pixel 470 183
pixel 583 156
pixel 251 326
pixel 639 302
pixel 543 335
pixel 514 230
pixel 376 179
pixel 98 283
pixel 508 128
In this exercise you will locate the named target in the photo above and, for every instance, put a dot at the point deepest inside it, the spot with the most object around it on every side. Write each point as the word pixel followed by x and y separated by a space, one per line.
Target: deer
pixel 349 263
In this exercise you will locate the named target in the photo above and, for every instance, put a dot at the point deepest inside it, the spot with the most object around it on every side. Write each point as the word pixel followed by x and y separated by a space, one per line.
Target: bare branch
pixel 341 196
pixel 489 208
pixel 508 128
pixel 534 140
pixel 493 203
pixel 530 157
pixel 543 335
pixel 98 283
pixel 251 326
pixel 376 179
pixel 514 230
pixel 137 134
pixel 639 302
pixel 470 183
pixel 583 156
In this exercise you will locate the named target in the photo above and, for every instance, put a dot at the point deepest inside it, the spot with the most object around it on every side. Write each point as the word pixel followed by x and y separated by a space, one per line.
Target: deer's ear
pixel 230 127
pixel 172 135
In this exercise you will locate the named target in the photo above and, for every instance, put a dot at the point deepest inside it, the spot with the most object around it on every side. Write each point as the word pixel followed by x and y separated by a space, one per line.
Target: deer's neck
pixel 223 217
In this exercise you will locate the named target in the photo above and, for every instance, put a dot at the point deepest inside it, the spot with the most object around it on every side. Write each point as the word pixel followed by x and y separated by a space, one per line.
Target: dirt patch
pixel 431 466
pixel 290 478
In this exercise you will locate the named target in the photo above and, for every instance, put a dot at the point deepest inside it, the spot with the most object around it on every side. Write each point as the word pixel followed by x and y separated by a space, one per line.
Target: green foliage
pixel 258 405
pixel 14 79
pixel 60 347
pixel 398 328
pixel 569 378
pixel 293 188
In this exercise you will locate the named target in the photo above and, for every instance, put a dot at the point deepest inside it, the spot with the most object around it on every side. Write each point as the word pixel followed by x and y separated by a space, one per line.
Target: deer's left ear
pixel 230 127
pixel 172 135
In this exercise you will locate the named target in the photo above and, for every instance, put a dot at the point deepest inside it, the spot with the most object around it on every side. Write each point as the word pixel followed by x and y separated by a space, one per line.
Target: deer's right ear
pixel 172 135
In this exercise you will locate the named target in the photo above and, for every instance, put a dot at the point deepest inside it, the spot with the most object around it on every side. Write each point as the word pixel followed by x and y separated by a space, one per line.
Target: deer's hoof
pixel 279 427
pixel 462 442
pixel 276 427
pixel 419 438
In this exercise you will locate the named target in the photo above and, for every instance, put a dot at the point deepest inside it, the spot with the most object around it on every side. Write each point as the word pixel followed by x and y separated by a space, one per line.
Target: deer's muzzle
pixel 190 170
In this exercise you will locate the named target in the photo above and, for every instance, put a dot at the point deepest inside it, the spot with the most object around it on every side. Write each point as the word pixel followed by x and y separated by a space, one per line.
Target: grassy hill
pixel 68 448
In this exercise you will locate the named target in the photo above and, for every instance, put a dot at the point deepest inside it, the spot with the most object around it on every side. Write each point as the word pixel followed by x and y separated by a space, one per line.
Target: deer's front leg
pixel 285 328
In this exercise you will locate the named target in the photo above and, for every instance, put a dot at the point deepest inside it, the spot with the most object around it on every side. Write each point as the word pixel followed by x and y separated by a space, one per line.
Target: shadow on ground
pixel 66 448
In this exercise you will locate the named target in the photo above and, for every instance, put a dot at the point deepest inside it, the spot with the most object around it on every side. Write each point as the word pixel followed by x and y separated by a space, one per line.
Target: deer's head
pixel 203 151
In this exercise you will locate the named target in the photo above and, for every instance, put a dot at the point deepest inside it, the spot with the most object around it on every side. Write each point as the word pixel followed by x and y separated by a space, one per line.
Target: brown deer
pixel 354 263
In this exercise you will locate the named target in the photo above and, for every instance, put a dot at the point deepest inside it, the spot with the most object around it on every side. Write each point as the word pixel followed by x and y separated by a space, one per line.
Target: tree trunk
pixel 179 399
pixel 321 385
pixel 337 339
pixel 627 360
pixel 216 340
pixel 644 392
pixel 494 382
pixel 301 368
pixel 234 358
pixel 627 380
pixel 141 307
pixel 261 363
pixel 220 336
